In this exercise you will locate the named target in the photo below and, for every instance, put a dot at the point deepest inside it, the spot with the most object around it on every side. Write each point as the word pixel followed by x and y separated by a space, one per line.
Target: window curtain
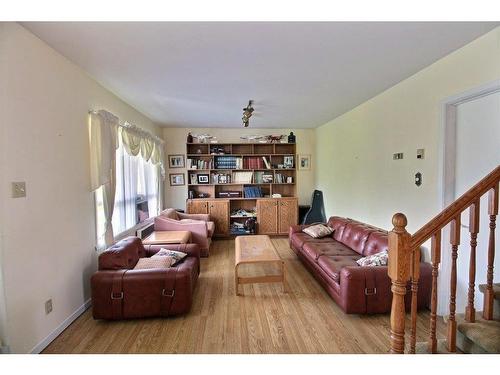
pixel 119 152
pixel 103 134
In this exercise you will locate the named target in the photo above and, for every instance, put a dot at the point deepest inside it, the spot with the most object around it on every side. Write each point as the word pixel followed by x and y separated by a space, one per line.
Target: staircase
pixel 470 332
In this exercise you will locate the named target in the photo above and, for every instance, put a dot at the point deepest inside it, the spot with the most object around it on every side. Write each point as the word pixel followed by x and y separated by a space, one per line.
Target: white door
pixel 477 153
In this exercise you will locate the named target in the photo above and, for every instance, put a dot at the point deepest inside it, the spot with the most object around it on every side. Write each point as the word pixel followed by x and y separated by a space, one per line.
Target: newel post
pixel 399 272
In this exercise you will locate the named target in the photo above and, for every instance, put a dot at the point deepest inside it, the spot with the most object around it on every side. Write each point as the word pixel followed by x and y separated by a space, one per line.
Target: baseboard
pixel 51 337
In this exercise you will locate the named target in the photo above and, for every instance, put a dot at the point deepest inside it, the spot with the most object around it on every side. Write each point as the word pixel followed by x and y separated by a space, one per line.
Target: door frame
pixel 446 174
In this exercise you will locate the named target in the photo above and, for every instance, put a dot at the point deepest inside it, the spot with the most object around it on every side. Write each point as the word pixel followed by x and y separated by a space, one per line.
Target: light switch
pixel 18 189
pixel 420 153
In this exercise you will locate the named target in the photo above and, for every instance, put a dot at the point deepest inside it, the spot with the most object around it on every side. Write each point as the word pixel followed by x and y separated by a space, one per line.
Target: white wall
pixel 175 143
pixel 354 151
pixel 477 153
pixel 47 238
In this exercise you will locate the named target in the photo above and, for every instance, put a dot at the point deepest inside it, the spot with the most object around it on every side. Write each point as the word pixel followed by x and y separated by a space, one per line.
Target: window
pixel 136 195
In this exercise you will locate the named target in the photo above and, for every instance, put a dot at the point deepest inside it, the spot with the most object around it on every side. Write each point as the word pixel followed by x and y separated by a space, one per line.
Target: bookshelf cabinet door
pixel 197 207
pixel 288 214
pixel 267 216
pixel 219 213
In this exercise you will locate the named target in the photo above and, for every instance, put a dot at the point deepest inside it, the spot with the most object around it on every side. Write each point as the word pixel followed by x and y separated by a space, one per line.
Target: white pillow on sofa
pixel 318 231
pixel 379 259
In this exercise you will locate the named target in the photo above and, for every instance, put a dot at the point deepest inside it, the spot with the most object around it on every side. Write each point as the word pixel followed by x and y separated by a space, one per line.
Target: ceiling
pixel 300 75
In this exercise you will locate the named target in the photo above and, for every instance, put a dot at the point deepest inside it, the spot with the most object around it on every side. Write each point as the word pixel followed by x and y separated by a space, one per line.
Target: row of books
pixel 256 163
pixel 228 162
pixel 242 177
pixel 282 179
pixel 199 164
pixel 252 192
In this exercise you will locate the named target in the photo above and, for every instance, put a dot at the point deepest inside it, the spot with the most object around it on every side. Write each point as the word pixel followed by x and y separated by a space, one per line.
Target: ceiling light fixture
pixel 247 113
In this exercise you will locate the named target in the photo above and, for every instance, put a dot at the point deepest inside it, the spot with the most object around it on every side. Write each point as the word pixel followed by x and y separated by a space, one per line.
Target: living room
pixel 235 145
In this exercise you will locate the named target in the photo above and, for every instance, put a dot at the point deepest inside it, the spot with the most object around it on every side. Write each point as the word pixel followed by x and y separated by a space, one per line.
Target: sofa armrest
pixel 202 217
pixel 365 289
pixel 198 227
pixel 191 249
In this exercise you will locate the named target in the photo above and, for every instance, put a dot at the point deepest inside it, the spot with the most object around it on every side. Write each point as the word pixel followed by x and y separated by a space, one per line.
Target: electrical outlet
pixel 18 189
pixel 420 153
pixel 48 306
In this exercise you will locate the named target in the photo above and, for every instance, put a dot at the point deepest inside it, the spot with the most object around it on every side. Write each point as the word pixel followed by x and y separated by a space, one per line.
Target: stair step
pixel 496 289
pixel 482 336
pixel 483 333
pixel 423 348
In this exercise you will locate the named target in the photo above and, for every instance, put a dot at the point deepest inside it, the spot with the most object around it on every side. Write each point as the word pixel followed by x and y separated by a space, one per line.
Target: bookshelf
pixel 226 179
pixel 227 170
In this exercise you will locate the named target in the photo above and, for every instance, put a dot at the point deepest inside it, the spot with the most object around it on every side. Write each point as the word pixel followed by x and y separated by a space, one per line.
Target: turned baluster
pixel 452 324
pixel 415 274
pixel 470 311
pixel 399 272
pixel 492 212
pixel 435 259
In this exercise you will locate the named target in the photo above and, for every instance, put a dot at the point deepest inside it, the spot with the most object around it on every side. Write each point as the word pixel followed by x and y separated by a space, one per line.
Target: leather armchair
pixel 200 226
pixel 120 292
pixel 332 261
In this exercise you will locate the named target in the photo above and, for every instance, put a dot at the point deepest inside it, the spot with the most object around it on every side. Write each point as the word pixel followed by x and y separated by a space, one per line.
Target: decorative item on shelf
pixel 203 195
pixel 191 194
pixel 250 225
pixel 247 113
pixel 267 178
pixel 288 161
pixel 203 138
pixel 176 179
pixel 203 178
pixel 253 138
pixel 176 161
pixel 291 138
pixel 189 138
pixel 304 162
pixel 217 150
pixel 274 138
pixel 289 180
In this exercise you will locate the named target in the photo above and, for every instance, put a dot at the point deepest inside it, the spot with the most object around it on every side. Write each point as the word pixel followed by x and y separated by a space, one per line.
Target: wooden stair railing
pixel 404 263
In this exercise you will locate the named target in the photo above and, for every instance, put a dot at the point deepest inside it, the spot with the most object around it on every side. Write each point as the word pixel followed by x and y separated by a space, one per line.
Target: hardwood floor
pixel 263 320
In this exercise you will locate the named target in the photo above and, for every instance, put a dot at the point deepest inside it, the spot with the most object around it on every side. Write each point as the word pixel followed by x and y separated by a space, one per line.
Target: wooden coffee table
pixel 161 237
pixel 257 249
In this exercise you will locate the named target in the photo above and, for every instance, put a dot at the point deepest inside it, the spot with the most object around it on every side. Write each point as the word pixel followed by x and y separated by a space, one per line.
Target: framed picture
pixel 176 179
pixel 288 161
pixel 176 161
pixel 304 162
pixel 203 178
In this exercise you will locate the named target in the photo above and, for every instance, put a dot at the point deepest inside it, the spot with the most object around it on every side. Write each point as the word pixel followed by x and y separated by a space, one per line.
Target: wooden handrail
pixel 467 199
pixel 403 264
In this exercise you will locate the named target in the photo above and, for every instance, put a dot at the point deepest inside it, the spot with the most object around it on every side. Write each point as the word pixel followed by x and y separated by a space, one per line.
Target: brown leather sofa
pixel 332 261
pixel 120 292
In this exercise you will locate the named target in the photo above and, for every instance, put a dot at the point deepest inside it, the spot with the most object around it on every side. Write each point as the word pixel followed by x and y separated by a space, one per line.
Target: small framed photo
pixel 176 179
pixel 203 178
pixel 304 162
pixel 288 161
pixel 176 161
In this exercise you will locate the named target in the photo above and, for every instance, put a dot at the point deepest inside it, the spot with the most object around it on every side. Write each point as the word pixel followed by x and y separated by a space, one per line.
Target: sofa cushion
pixel 210 228
pixel 337 224
pixel 332 265
pixel 299 239
pixel 315 249
pixel 355 235
pixel 377 241
pixel 170 213
pixel 154 262
pixel 318 230
pixel 176 256
pixel 122 255
pixel 379 259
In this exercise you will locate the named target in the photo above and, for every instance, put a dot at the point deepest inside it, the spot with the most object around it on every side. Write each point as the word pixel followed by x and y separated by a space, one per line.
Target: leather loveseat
pixel 332 261
pixel 120 292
